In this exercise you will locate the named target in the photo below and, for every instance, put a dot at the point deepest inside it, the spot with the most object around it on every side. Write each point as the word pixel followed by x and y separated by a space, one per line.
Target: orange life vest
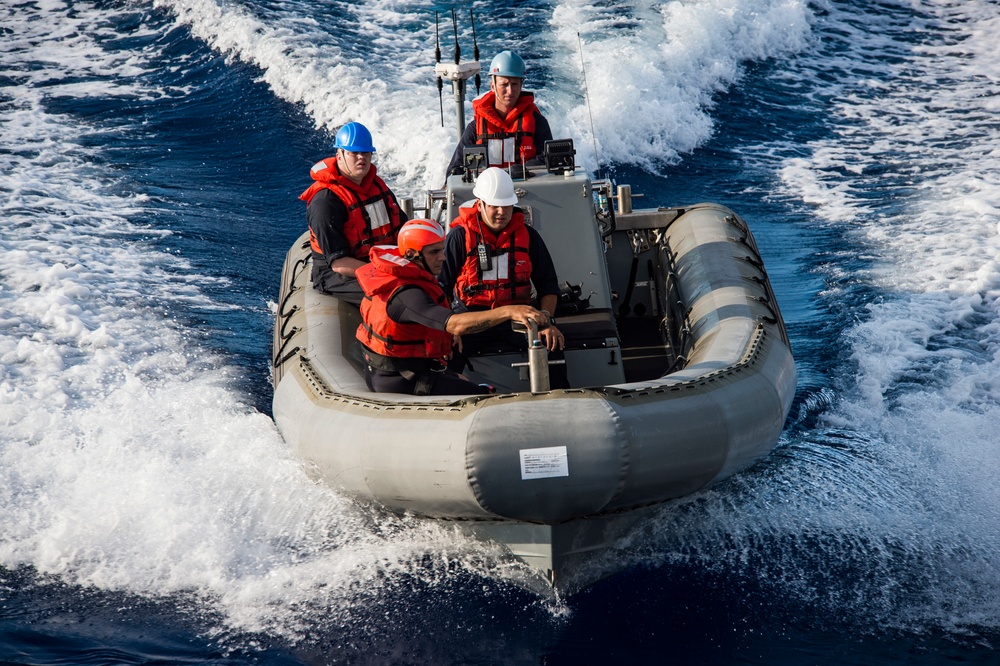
pixel 507 139
pixel 508 281
pixel 373 215
pixel 387 273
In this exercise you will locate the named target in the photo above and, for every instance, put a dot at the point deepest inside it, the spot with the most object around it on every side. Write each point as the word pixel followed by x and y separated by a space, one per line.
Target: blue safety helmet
pixel 507 64
pixel 355 138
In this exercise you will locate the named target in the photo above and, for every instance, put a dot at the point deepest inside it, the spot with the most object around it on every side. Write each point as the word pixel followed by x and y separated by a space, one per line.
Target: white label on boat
pixel 544 463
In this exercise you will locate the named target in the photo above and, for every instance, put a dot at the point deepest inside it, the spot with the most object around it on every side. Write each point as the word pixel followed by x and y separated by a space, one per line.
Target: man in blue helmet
pixel 349 210
pixel 506 120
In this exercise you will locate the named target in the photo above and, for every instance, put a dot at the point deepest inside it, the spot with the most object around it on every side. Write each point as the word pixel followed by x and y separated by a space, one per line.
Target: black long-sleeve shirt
pixel 543 270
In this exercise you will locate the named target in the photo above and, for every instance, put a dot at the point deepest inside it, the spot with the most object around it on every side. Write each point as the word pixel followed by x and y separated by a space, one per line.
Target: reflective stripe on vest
pixel 387 273
pixel 373 215
pixel 508 280
pixel 506 138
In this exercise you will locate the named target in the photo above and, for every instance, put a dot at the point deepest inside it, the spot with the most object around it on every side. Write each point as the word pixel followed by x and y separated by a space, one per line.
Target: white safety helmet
pixel 495 188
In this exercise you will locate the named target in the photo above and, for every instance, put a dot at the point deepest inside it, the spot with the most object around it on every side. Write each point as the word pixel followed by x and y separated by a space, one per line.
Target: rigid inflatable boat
pixel 679 366
pixel 678 361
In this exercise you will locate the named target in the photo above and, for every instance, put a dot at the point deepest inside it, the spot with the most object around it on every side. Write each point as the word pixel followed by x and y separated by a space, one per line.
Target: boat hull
pixel 521 462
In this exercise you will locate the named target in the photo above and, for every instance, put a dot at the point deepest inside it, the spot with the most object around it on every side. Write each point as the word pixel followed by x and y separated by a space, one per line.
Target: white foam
pixel 652 68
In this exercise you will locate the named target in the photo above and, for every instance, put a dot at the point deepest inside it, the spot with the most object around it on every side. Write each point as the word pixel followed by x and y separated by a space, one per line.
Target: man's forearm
pixel 464 323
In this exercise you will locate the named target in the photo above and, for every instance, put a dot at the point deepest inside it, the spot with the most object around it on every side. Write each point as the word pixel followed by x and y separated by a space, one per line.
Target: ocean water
pixel 152 153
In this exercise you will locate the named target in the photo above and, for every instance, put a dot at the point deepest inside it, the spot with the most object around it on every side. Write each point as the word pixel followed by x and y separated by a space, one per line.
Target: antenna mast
pixel 437 60
pixel 475 50
pixel 458 73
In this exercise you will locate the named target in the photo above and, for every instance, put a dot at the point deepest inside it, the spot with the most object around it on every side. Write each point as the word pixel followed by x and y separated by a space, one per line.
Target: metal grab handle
pixel 538 360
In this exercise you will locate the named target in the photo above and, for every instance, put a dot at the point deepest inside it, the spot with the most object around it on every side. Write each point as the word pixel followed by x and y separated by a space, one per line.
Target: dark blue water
pixel 152 157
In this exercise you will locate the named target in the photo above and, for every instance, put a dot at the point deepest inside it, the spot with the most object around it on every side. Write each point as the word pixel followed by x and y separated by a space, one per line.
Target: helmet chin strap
pixel 419 257
pixel 423 262
pixel 345 162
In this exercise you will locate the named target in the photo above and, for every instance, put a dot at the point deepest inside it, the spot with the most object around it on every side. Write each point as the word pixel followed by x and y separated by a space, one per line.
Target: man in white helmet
pixel 492 260
pixel 505 119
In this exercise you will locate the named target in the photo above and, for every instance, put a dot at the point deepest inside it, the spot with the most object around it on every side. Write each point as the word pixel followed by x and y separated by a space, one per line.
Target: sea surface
pixel 151 156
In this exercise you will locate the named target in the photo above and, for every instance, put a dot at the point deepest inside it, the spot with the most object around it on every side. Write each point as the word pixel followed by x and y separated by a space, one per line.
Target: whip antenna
pixel 458 73
pixel 437 59
pixel 475 49
pixel 586 96
pixel 458 49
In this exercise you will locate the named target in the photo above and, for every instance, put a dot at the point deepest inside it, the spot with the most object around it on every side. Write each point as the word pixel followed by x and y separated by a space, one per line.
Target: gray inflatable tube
pixel 552 457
